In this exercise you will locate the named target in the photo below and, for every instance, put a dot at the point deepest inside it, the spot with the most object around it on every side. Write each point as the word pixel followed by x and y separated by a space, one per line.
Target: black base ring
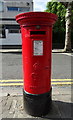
pixel 37 105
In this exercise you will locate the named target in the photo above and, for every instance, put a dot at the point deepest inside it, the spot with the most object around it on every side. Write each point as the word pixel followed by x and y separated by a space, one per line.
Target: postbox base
pixel 37 105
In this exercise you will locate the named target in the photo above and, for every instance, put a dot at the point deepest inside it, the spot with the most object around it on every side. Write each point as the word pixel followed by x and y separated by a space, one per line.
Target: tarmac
pixel 11 101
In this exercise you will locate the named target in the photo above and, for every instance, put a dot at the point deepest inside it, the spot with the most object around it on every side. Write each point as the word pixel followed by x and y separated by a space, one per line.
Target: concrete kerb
pixel 20 51
pixel 61 51
pixel 10 50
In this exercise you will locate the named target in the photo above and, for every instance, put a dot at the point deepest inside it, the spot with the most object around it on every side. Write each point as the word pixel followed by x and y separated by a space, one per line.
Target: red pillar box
pixel 36 30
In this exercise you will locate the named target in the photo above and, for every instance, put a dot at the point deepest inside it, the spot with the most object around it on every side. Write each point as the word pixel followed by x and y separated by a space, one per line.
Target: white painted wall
pixel 11 39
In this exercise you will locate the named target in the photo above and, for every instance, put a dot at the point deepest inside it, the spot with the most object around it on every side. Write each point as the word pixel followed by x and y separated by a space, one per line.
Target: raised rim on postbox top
pixel 31 15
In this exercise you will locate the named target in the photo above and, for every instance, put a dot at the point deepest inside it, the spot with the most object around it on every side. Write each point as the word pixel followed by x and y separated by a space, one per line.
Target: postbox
pixel 36 31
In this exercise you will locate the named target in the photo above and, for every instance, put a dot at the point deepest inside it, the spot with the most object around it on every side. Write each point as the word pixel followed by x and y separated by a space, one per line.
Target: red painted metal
pixel 36 68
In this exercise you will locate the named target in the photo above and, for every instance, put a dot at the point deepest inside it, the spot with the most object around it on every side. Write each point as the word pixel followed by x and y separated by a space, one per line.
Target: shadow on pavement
pixel 60 110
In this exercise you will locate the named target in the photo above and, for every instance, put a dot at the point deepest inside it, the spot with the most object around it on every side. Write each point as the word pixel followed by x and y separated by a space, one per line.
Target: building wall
pixel 10 8
pixel 11 39
pixel 15 3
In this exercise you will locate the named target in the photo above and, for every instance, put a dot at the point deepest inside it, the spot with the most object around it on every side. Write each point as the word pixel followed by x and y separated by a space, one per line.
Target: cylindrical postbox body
pixel 36 30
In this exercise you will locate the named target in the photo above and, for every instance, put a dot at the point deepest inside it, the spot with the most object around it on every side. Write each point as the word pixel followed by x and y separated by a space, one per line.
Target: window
pixel 22 9
pixel 2 33
pixel 1 6
pixel 12 8
pixel 14 31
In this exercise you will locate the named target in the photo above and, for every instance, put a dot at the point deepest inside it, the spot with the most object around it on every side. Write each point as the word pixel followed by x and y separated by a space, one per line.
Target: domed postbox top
pixel 35 18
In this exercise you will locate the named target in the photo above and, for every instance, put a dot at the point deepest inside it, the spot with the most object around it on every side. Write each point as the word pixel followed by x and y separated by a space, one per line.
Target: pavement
pixel 12 104
pixel 11 101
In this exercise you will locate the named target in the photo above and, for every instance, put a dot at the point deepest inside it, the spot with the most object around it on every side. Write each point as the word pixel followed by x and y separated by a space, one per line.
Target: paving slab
pixel 12 105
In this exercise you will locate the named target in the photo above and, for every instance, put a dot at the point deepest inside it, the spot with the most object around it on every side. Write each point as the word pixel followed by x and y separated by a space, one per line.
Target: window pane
pixel 12 8
pixel 23 9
